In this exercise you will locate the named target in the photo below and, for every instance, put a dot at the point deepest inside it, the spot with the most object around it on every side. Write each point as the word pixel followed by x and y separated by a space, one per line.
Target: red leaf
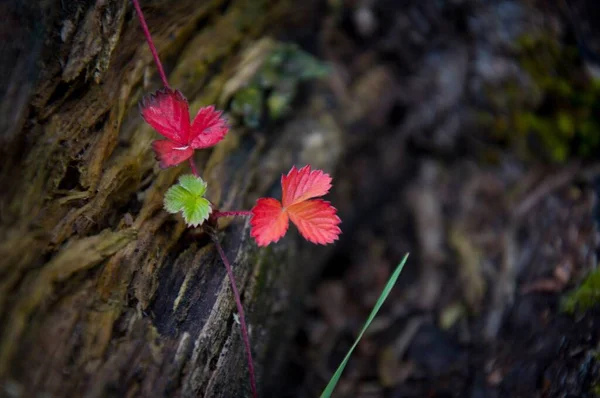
pixel 169 153
pixel 208 128
pixel 269 221
pixel 316 219
pixel 168 112
pixel 303 184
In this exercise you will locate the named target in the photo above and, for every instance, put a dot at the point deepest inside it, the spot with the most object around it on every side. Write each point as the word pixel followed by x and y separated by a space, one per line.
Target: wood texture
pixel 101 292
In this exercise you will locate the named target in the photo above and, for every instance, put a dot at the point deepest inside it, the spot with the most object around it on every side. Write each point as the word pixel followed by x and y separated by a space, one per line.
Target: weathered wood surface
pixel 101 292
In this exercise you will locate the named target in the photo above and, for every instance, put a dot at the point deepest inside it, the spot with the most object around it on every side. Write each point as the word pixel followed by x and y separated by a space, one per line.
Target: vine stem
pixel 236 293
pixel 193 167
pixel 240 213
pixel 140 14
pixel 240 309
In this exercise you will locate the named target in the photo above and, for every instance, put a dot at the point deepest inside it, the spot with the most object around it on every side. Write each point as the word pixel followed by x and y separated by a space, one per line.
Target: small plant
pixel 167 111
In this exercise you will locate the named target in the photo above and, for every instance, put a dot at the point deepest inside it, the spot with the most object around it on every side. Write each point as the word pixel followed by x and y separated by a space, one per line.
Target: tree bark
pixel 102 293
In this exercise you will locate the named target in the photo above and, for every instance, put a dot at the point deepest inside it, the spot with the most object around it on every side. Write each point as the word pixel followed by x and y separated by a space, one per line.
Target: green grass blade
pixel 386 291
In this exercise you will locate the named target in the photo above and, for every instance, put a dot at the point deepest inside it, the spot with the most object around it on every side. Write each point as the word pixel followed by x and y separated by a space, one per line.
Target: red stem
pixel 241 213
pixel 236 293
pixel 159 66
pixel 193 167
pixel 240 309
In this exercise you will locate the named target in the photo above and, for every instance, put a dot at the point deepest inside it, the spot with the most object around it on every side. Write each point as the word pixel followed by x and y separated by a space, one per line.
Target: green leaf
pixel 386 291
pixel 175 199
pixel 196 211
pixel 186 197
pixel 195 185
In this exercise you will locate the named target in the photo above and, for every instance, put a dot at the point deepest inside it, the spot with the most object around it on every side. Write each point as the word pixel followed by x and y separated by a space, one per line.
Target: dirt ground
pixel 450 111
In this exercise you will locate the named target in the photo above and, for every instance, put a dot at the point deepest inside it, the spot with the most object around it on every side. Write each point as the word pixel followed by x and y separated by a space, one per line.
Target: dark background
pixel 459 159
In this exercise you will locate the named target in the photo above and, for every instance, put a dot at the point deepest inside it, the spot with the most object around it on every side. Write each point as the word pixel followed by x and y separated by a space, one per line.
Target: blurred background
pixel 463 132
pixel 472 142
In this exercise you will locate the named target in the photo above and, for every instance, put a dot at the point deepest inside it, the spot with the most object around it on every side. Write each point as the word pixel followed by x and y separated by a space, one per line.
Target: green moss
pixel 557 119
pixel 267 264
pixel 595 389
pixel 585 297
pixel 247 104
pixel 275 84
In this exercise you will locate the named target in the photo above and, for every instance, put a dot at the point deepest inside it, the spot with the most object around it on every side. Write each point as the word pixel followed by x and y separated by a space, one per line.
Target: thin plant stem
pixel 240 309
pixel 193 167
pixel 236 293
pixel 159 66
pixel 240 213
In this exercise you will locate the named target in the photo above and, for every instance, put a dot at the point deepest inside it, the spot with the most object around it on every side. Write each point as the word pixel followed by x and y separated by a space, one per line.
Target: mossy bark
pixel 101 292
